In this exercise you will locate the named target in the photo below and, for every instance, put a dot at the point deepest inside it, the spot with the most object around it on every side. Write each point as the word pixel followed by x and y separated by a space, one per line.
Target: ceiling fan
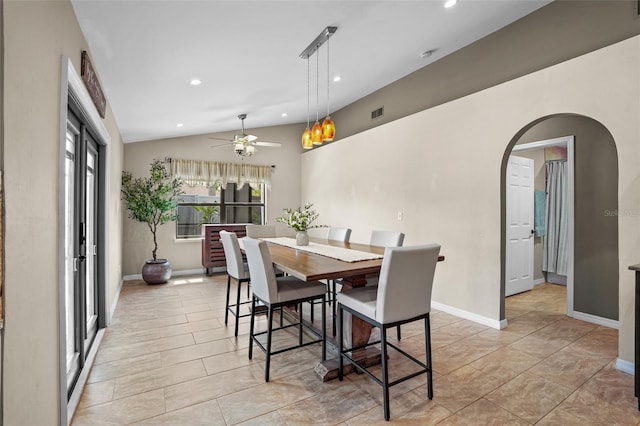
pixel 244 145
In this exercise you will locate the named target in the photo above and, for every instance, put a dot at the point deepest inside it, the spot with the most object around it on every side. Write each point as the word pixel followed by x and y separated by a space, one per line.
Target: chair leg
pixel 238 307
pixel 340 345
pixel 333 295
pixel 312 309
pixel 324 329
pixel 251 323
pixel 226 308
pixel 427 340
pixel 385 372
pixel 281 316
pixel 268 354
pixel 300 323
pixel 398 332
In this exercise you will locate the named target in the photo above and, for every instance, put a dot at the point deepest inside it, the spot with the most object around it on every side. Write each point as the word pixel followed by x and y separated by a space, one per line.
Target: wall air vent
pixel 377 113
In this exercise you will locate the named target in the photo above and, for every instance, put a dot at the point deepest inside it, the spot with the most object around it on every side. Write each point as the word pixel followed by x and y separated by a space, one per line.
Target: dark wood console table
pixel 212 251
pixel 637 333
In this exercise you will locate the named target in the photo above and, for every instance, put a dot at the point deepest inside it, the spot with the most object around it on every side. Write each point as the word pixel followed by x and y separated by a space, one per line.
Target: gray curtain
pixel 554 254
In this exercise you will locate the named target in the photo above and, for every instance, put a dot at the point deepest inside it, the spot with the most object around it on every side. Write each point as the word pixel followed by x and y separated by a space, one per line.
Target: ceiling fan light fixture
pixel 239 149
pixel 244 145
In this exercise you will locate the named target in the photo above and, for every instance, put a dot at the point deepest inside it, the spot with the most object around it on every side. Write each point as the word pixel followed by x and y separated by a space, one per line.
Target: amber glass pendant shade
pixel 316 133
pixel 307 143
pixel 328 129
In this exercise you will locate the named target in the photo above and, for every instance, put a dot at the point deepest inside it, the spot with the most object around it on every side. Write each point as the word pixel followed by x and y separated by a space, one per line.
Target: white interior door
pixel 520 227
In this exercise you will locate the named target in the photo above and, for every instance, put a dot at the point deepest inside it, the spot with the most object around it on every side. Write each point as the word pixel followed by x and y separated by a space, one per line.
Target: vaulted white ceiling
pixel 246 53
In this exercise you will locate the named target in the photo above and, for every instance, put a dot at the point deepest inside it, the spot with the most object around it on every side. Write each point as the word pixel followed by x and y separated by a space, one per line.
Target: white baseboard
pixel 188 272
pixel 200 271
pixel 625 366
pixel 497 324
pixel 114 303
pixel 132 277
pixel 595 319
pixel 539 281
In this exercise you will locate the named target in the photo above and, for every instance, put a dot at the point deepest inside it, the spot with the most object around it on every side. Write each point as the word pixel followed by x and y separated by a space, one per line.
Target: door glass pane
pixel 90 222
pixel 69 250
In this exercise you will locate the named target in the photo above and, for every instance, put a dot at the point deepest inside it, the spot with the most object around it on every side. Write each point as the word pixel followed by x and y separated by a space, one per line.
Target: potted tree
pixel 152 200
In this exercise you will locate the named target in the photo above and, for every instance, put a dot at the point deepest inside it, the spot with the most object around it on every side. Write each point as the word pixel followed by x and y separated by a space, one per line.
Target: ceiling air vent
pixel 377 113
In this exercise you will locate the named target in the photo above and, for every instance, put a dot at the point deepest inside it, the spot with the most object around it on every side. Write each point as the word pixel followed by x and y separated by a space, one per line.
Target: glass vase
pixel 302 238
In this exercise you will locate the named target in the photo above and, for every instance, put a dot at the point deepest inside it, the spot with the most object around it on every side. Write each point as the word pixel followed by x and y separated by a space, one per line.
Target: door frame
pixel 71 86
pixel 568 142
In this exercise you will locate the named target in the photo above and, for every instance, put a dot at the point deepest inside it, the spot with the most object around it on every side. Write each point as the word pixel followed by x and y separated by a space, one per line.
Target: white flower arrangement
pixel 301 218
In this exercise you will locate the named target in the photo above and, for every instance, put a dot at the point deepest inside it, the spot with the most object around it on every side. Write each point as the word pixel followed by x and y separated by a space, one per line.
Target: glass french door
pixel 80 242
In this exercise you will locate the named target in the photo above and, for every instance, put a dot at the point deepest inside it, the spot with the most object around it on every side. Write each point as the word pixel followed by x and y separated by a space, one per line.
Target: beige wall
pixel 184 255
pixel 37 34
pixel 441 168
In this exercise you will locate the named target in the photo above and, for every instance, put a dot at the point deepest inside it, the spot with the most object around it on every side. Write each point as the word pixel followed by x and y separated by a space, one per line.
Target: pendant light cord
pixel 317 85
pixel 328 56
pixel 308 93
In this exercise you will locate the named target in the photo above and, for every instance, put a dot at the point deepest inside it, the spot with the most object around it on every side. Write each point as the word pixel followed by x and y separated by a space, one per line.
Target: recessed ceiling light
pixel 336 79
pixel 284 114
pixel 195 82
pixel 450 3
pixel 180 125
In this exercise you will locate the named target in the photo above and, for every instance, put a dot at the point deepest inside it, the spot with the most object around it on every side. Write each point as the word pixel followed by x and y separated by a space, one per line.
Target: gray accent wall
pixel 555 33
pixel 596 211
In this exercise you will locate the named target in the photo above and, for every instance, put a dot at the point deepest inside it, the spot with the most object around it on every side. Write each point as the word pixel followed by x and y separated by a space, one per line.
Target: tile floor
pixel 168 359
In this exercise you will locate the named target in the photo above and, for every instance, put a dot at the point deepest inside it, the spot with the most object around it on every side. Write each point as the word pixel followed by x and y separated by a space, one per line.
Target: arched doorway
pixel 595 239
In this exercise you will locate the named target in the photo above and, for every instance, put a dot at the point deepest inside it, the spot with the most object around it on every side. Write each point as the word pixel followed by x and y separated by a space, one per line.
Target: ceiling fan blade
pixel 250 138
pixel 262 143
pixel 224 144
pixel 221 139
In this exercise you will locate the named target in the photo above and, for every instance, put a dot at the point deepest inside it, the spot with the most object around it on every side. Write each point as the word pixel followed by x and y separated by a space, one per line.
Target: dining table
pixel 323 260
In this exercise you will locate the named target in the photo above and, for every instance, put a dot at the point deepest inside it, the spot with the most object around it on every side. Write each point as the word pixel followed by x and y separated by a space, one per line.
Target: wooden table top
pixel 309 266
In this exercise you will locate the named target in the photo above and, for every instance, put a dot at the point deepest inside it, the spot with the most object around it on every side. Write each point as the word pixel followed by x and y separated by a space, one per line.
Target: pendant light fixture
pixel 316 130
pixel 328 126
pixel 307 143
pixel 325 131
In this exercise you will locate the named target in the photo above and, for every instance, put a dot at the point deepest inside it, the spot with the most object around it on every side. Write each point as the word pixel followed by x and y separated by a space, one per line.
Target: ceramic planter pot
pixel 156 271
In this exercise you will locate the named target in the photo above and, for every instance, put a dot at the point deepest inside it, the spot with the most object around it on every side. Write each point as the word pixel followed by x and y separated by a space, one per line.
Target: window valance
pixel 206 173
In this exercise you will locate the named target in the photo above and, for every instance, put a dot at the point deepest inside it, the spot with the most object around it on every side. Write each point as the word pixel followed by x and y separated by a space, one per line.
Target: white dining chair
pixel 339 234
pixel 342 235
pixel 261 231
pixel 236 269
pixel 403 295
pixel 277 292
pixel 386 238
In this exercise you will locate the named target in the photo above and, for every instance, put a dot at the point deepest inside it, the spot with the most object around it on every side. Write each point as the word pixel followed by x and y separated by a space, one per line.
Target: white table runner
pixel 340 253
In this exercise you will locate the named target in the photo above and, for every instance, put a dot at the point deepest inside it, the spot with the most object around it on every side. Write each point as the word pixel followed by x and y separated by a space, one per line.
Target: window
pixel 199 205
